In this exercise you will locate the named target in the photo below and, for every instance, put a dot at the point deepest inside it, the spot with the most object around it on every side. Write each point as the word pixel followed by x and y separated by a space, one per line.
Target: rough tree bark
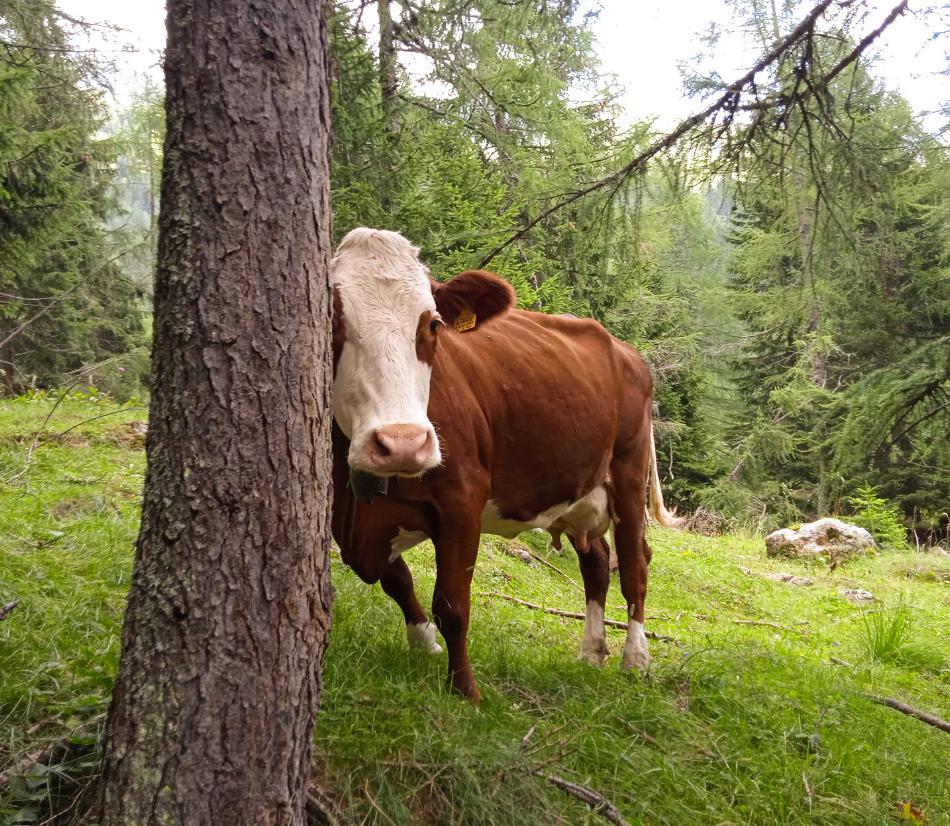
pixel 388 80
pixel 227 619
pixel 389 96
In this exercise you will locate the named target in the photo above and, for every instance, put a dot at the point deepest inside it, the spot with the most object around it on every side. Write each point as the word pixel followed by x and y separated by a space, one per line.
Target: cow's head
pixel 387 318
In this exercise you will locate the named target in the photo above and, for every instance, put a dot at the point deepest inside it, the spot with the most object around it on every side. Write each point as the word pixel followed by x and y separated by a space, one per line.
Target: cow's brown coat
pixel 531 410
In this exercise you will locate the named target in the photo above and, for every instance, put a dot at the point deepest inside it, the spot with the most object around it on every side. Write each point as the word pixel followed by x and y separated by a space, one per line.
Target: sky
pixel 641 42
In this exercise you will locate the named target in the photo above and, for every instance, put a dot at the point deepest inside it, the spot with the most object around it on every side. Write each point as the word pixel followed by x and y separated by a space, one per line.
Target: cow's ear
pixel 473 293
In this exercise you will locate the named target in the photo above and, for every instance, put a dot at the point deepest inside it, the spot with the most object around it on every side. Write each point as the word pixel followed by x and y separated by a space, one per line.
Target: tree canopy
pixel 65 304
pixel 780 258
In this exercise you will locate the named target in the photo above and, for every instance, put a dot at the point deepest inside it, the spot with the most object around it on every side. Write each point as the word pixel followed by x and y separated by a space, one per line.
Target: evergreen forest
pixel 782 261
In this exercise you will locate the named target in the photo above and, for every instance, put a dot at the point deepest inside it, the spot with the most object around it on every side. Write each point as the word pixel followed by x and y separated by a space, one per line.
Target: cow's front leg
pixel 455 552
pixel 397 582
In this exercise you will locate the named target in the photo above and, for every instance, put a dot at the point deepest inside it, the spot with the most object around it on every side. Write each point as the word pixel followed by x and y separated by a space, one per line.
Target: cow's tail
pixel 657 509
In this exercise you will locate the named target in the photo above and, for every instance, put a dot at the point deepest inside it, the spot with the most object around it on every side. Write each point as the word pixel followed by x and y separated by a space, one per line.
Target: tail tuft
pixel 658 511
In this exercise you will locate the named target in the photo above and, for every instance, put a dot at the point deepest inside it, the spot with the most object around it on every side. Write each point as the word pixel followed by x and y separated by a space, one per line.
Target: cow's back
pixel 537 402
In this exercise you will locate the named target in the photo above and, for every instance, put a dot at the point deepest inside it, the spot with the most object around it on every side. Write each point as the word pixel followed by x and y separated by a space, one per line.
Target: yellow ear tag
pixel 465 321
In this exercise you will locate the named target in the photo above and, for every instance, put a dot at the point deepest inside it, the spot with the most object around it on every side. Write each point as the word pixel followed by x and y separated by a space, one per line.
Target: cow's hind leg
pixel 633 553
pixel 397 582
pixel 594 569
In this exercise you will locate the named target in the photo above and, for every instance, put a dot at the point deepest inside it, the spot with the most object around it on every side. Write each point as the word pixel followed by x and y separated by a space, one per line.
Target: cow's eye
pixel 435 324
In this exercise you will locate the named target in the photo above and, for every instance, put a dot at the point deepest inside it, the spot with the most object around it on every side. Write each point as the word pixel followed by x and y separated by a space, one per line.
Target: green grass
pixel 740 723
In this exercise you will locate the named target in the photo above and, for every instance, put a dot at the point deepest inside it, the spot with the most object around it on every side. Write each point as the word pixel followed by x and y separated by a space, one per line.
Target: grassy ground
pixel 739 723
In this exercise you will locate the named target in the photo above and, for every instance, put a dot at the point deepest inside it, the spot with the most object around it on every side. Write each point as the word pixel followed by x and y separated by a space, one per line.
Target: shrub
pixel 880 518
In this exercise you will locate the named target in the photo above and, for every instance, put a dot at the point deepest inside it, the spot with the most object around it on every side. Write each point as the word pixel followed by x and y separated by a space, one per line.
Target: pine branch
pixel 728 103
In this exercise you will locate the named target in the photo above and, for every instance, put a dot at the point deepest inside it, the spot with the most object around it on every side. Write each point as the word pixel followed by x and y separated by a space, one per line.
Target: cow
pixel 456 415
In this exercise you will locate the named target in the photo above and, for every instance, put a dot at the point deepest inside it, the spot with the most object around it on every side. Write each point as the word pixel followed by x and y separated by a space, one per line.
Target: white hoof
pixel 636 651
pixel 594 644
pixel 421 637
pixel 593 656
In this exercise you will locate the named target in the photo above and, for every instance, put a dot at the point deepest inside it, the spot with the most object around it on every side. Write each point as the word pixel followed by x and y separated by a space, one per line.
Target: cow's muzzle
pixel 403 449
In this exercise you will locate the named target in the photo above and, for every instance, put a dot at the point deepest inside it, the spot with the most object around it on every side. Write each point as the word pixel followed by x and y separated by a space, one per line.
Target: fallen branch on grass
pixel 767 624
pixel 8 608
pixel 557 612
pixel 543 561
pixel 598 803
pixel 100 416
pixel 903 708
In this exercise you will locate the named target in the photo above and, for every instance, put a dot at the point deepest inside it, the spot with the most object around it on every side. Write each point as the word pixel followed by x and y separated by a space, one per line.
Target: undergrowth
pixel 758 713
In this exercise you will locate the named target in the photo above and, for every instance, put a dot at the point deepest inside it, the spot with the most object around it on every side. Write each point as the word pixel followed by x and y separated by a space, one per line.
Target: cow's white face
pixel 381 387
pixel 388 315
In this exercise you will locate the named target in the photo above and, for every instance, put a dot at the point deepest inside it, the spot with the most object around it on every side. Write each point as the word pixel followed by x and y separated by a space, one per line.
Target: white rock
pixel 827 537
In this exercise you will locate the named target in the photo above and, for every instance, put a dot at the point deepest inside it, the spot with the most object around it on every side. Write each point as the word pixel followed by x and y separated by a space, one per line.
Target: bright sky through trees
pixel 642 44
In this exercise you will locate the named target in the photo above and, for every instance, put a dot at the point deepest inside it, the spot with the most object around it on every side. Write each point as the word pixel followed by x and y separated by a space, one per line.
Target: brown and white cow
pixel 522 421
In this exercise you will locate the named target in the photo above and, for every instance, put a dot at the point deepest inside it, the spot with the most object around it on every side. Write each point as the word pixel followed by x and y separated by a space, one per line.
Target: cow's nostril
pixel 379 447
pixel 400 448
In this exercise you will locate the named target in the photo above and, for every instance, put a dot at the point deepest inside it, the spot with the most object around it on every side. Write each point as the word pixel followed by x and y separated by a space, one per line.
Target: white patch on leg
pixel 403 541
pixel 636 651
pixel 594 644
pixel 421 637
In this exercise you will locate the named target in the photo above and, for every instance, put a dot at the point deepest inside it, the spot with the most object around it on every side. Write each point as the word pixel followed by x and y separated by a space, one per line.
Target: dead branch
pixel 598 803
pixel 80 376
pixel 6 609
pixel 55 299
pixel 45 311
pixel 557 612
pixel 550 565
pixel 374 804
pixel 100 416
pixel 767 624
pixel 862 45
pixel 903 708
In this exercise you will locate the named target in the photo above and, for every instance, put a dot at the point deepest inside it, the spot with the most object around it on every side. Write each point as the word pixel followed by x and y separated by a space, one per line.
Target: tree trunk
pixel 227 619
pixel 388 82
pixel 389 91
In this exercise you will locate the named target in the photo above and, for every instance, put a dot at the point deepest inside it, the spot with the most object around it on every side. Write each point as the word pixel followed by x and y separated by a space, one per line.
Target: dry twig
pixel 100 416
pixel 767 624
pixel 553 567
pixel 557 612
pixel 598 803
pixel 910 711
